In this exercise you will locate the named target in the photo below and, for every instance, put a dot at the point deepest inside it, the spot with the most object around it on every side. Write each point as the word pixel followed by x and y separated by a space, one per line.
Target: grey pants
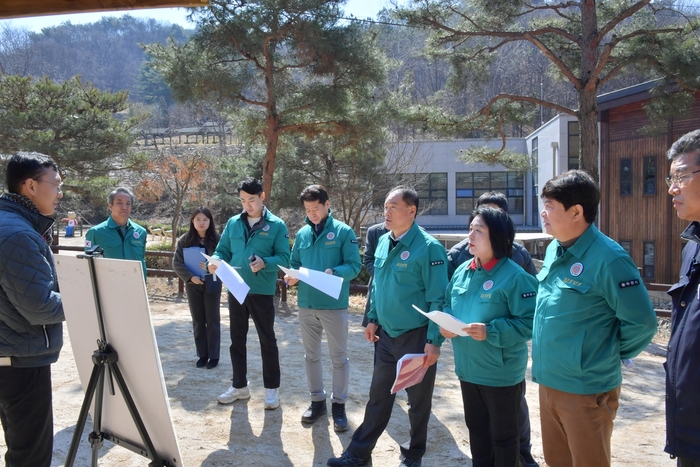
pixel 335 323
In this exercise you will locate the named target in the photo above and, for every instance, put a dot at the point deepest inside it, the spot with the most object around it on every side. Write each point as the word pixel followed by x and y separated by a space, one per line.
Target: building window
pixel 649 259
pixel 432 192
pixel 625 177
pixel 471 185
pixel 574 142
pixel 627 246
pixel 650 175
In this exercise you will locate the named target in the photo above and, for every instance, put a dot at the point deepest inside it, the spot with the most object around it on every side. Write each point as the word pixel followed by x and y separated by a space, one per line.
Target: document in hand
pixel 445 320
pixel 409 371
pixel 231 279
pixel 327 283
pixel 192 257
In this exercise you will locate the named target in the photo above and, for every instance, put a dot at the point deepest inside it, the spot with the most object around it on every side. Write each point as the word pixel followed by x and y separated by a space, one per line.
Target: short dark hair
pixel 250 185
pixel 493 197
pixel 25 165
pixel 572 188
pixel 689 142
pixel 501 230
pixel 314 193
pixel 120 189
pixel 408 196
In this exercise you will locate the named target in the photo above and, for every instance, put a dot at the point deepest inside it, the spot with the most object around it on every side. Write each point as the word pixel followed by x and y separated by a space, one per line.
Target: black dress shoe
pixel 315 410
pixel 526 460
pixel 348 460
pixel 340 421
pixel 201 362
pixel 212 363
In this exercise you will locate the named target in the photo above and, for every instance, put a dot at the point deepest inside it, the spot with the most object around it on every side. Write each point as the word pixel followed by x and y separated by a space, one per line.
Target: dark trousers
pixel 491 414
pixel 524 424
pixel 26 415
pixel 206 320
pixel 262 309
pixel 685 462
pixel 381 402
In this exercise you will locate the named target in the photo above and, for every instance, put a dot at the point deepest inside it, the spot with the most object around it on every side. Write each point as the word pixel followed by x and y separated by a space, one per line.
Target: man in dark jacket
pixel 31 313
pixel 459 254
pixel 683 359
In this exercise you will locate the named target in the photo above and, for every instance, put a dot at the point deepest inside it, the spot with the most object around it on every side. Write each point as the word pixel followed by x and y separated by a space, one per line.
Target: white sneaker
pixel 272 399
pixel 233 394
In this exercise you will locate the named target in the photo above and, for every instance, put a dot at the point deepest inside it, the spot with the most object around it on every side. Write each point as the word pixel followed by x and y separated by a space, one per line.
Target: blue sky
pixel 358 8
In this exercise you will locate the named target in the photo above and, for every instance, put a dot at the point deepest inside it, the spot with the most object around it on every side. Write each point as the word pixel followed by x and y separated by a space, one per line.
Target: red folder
pixel 409 371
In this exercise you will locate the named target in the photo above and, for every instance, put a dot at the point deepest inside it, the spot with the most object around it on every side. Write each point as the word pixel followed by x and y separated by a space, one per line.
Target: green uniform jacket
pixel 335 248
pixel 132 246
pixel 592 311
pixel 413 273
pixel 268 239
pixel 504 300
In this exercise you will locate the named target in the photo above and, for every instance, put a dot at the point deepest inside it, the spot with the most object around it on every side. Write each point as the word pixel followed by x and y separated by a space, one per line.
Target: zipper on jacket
pixel 46 336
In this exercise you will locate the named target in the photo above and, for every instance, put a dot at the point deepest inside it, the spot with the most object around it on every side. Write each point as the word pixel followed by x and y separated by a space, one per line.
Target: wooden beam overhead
pixel 23 8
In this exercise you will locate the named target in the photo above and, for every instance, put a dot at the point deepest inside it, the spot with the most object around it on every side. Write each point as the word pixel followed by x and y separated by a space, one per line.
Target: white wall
pixel 440 156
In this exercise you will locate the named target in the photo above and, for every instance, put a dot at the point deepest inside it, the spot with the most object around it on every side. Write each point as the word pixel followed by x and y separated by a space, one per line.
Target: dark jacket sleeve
pixel 179 261
pixel 457 255
pixel 27 278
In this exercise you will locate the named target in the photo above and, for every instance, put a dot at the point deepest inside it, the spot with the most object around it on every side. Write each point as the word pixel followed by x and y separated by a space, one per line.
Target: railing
pixel 150 271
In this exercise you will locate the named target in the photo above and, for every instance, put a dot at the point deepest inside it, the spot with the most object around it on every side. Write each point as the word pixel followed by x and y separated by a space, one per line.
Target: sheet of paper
pixel 327 283
pixel 216 261
pixel 409 371
pixel 192 257
pixel 445 320
pixel 231 279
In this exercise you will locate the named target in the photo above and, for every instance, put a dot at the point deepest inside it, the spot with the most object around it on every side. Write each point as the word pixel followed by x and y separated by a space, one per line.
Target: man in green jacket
pixel 328 245
pixel 119 236
pixel 256 242
pixel 592 312
pixel 409 269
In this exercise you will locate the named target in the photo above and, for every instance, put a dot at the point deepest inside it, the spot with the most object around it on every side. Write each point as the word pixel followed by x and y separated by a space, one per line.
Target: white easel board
pixel 129 331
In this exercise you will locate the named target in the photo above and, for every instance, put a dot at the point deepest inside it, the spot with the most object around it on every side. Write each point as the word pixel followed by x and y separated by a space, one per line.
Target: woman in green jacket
pixel 496 297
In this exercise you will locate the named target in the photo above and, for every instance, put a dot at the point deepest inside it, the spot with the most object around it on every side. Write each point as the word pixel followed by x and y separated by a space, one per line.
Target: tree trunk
pixel 588 87
pixel 270 154
pixel 588 131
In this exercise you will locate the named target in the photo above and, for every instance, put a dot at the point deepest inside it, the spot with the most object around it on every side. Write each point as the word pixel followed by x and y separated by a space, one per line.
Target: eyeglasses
pixel 58 186
pixel 678 179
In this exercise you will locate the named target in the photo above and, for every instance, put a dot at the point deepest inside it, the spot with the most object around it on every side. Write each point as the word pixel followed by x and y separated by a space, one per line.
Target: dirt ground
pixel 244 434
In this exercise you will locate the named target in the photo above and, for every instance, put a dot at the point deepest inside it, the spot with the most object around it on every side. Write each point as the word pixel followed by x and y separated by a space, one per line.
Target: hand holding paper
pixel 326 283
pixel 445 320
pixel 231 279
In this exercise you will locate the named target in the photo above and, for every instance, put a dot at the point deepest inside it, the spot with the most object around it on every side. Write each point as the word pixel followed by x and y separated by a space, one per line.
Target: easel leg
pixel 96 376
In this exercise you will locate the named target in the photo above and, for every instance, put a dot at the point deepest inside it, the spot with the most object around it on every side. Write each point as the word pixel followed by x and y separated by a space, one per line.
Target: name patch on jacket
pixel 630 283
pixel 330 243
pixel 528 294
pixel 353 241
pixel 437 263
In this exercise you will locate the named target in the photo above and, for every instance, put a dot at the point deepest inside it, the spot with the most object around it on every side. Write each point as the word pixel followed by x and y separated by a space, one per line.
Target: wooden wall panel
pixel 640 217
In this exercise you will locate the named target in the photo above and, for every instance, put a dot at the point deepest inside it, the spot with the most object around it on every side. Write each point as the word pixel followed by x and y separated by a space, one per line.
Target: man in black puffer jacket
pixel 31 313
pixel 683 358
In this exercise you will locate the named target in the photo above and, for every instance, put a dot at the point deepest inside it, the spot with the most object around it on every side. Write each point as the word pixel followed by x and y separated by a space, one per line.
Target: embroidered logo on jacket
pixel 330 235
pixel 137 235
pixel 488 285
pixel 576 269
pixel 266 227
pixel 405 255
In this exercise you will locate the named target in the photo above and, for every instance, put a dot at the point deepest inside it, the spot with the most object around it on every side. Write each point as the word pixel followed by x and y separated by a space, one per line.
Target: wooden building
pixel 636 208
